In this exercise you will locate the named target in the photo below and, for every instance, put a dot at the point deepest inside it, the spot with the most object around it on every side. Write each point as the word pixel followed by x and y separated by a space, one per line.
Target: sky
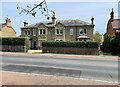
pixel 64 11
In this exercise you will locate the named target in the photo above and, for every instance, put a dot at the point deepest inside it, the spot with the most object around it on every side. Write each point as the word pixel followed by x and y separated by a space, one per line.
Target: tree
pixel 42 6
pixel 97 37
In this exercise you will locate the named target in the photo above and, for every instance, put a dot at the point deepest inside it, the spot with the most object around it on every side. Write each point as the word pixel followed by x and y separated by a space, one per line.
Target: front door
pixel 35 45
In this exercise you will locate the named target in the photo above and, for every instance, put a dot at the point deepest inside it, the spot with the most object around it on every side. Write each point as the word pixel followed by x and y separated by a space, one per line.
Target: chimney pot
pixel 25 24
pixel 92 20
pixel 8 22
pixel 112 14
pixel 53 18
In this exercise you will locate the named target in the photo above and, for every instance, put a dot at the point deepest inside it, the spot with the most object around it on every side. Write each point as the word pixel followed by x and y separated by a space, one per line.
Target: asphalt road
pixel 105 70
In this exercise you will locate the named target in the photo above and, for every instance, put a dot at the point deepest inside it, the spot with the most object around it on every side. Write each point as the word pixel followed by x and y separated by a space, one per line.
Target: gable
pixel 59 25
pixel 41 25
pixel 8 29
pixel 116 24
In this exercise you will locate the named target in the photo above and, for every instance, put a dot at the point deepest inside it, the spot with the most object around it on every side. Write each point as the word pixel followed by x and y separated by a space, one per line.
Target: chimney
pixel 92 20
pixel 53 18
pixel 8 22
pixel 25 24
pixel 112 14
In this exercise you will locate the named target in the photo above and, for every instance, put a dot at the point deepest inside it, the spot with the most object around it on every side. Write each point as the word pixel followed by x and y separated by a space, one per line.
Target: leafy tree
pixel 97 37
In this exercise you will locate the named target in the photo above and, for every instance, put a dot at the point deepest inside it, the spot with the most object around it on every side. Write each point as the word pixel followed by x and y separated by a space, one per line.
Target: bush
pixel 71 44
pixel 14 41
pixel 112 44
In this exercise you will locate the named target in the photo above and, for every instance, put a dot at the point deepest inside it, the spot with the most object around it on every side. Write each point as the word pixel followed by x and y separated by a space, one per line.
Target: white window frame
pixel 71 31
pixel 34 32
pixel 58 31
pixel 27 32
pixel 83 30
pixel 41 31
pixel 59 40
pixel 80 31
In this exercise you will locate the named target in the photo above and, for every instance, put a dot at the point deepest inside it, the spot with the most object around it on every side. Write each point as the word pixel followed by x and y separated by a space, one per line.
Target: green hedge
pixel 112 44
pixel 13 41
pixel 70 44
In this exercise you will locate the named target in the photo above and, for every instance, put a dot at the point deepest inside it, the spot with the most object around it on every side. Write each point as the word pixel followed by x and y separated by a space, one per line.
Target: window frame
pixel 71 31
pixel 59 31
pixel 42 31
pixel 84 31
pixel 81 30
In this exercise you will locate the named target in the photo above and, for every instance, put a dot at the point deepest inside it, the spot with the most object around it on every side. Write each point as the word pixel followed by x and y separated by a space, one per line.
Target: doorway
pixel 35 47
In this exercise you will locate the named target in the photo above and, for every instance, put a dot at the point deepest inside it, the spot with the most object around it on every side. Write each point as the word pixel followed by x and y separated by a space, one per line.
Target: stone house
pixel 6 30
pixel 57 30
pixel 113 26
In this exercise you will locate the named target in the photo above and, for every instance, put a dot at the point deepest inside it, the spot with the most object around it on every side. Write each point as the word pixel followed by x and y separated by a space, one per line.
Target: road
pixel 105 70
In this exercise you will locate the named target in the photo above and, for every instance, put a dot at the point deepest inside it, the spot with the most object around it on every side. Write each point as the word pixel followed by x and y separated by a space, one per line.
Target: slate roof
pixel 63 22
pixel 2 25
pixel 116 24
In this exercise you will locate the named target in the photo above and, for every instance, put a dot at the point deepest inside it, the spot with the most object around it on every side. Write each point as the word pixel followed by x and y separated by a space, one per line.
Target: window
pixel 85 31
pixel 42 31
pixel 71 31
pixel 82 31
pixel 28 32
pixel 34 33
pixel 59 31
pixel 59 40
pixel 25 32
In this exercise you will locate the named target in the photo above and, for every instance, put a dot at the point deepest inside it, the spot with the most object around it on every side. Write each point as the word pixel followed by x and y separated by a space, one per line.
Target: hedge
pixel 13 41
pixel 112 44
pixel 71 44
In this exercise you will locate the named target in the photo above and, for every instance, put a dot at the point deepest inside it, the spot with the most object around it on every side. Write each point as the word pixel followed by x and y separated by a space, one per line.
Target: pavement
pixel 16 78
pixel 96 57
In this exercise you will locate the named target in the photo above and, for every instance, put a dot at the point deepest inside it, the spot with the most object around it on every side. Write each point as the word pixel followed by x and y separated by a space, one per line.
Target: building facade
pixel 113 26
pixel 60 30
pixel 6 30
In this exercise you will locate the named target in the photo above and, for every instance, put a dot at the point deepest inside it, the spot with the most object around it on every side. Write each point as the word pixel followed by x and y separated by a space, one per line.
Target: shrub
pixel 71 44
pixel 112 44
pixel 15 41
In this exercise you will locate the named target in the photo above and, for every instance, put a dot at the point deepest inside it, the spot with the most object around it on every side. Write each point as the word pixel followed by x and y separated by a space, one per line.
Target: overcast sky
pixel 64 10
